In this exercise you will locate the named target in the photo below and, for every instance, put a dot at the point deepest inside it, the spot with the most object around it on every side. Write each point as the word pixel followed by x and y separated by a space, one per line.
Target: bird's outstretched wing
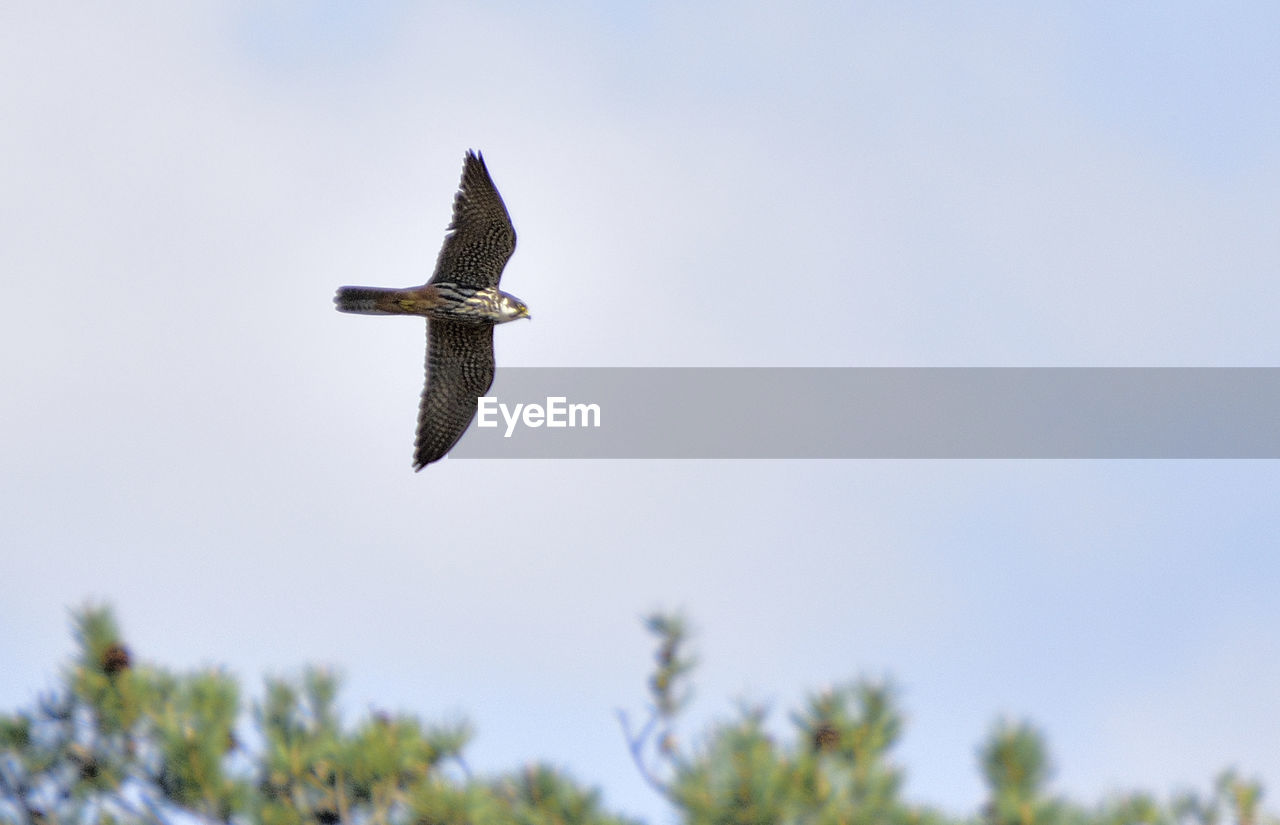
pixel 459 370
pixel 481 237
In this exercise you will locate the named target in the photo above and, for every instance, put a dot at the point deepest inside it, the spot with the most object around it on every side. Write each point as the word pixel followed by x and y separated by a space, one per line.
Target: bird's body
pixel 441 302
pixel 461 303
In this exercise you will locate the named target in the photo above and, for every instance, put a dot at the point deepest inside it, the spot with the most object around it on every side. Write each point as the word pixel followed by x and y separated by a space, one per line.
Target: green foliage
pixel 125 742
pixel 833 768
pixel 1016 766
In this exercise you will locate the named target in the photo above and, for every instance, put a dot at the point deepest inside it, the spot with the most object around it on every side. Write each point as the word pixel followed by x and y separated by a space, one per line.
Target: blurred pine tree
pixel 125 741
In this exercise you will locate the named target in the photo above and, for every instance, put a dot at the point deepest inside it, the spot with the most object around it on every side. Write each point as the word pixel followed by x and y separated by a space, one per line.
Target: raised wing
pixel 481 237
pixel 459 370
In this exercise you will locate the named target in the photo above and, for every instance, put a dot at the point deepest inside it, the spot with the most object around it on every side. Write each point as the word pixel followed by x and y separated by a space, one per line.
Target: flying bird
pixel 461 303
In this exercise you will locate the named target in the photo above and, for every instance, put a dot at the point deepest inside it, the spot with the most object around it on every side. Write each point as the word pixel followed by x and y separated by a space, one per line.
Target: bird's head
pixel 511 308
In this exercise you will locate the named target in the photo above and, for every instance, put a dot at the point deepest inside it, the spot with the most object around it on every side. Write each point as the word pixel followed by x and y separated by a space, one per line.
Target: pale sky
pixel 193 434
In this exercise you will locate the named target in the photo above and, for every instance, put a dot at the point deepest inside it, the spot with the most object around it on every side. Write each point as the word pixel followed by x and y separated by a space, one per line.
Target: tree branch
pixel 635 744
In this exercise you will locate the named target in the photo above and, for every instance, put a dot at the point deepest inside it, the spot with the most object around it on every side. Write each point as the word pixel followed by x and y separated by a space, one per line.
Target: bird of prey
pixel 462 304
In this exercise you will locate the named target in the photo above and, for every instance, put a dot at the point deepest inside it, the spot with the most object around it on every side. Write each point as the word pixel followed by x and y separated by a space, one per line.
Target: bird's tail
pixel 368 300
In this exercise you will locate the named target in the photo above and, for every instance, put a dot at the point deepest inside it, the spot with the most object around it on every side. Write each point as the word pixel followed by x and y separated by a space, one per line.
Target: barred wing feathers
pixel 481 237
